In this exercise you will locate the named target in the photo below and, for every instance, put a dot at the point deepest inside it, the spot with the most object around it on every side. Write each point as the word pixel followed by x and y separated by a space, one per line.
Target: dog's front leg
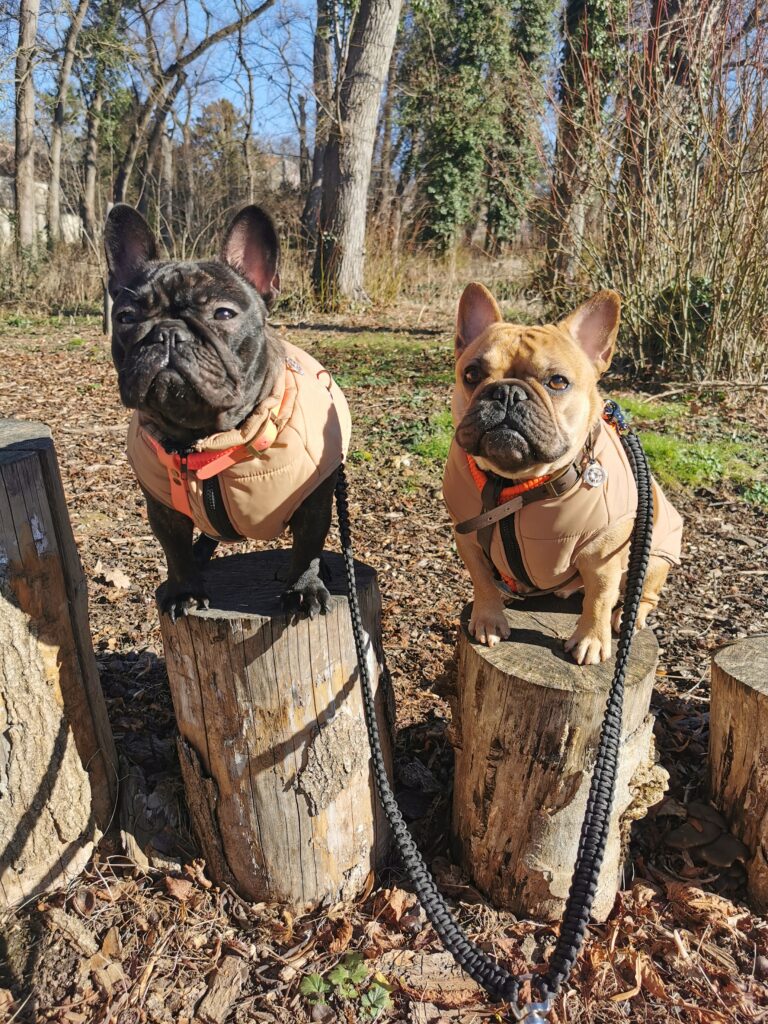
pixel 488 623
pixel 600 566
pixel 306 594
pixel 185 588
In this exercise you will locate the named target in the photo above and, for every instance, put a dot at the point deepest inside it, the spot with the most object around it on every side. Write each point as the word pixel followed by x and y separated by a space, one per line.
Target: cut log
pixel 738 752
pixel 58 767
pixel 273 746
pixel 526 728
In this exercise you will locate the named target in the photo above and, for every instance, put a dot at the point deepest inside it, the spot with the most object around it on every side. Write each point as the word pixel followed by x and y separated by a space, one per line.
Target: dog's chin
pixel 509 453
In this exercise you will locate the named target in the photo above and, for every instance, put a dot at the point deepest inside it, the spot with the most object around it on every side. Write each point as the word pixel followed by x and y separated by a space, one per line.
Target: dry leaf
pixel 179 888
pixel 114 577
pixel 390 904
pixel 342 936
pixel 110 944
pixel 620 997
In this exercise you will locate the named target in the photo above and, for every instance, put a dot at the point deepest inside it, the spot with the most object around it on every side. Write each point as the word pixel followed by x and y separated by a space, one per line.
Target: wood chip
pixel 223 990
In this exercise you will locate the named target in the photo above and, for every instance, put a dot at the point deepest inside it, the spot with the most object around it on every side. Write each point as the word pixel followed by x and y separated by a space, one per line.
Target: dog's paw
pixel 307 596
pixel 488 624
pixel 178 599
pixel 588 646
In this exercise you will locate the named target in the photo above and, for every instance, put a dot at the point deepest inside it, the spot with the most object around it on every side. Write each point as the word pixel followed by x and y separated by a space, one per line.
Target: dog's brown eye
pixel 472 374
pixel 223 313
pixel 557 382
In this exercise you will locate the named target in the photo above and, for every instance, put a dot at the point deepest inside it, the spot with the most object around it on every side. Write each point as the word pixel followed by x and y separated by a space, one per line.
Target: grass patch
pixel 697 463
pixel 432 441
pixel 651 412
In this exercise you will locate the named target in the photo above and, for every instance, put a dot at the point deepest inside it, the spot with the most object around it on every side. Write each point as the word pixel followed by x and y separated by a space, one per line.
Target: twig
pixel 708 384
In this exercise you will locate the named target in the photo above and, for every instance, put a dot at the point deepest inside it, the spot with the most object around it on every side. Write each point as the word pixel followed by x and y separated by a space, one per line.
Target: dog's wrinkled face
pixel 188 338
pixel 526 397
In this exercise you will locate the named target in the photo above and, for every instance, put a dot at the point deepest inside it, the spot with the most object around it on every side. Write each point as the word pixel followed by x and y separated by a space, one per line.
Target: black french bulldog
pixel 194 355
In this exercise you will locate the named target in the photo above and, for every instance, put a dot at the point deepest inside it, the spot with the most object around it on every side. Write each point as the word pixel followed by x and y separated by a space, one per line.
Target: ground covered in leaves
pixel 144 936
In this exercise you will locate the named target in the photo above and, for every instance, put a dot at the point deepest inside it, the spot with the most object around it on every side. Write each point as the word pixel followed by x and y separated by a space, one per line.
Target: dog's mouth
pixel 511 427
pixel 185 374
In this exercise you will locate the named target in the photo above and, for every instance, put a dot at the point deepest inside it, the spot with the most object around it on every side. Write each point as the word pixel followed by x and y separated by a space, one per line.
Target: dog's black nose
pixel 509 394
pixel 171 333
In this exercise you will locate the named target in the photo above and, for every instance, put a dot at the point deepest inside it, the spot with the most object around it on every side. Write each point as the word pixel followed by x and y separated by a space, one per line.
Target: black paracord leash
pixel 498 982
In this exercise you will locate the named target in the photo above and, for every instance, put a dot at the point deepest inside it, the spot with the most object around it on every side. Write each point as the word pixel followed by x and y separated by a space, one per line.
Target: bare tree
pixel 339 257
pixel 322 73
pixel 57 128
pixel 165 84
pixel 24 180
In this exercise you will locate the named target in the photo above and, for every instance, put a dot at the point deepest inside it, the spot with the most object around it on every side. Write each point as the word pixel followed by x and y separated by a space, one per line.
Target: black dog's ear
pixel 129 244
pixel 251 247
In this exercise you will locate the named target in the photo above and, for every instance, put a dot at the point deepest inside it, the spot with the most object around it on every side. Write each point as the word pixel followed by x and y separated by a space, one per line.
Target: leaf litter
pixel 149 938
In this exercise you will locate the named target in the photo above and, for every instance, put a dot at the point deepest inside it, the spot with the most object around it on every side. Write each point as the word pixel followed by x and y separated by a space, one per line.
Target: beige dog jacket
pixel 550 533
pixel 263 469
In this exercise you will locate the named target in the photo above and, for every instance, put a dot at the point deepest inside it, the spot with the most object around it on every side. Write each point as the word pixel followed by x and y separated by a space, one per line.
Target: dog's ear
pixel 252 248
pixel 477 310
pixel 594 327
pixel 129 245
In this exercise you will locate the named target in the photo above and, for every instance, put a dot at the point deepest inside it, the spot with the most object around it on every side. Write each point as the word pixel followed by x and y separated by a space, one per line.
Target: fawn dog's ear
pixel 477 311
pixel 594 327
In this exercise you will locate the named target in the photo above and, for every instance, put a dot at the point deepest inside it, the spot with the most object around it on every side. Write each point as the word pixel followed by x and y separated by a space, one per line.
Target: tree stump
pixel 738 752
pixel 273 746
pixel 58 767
pixel 526 730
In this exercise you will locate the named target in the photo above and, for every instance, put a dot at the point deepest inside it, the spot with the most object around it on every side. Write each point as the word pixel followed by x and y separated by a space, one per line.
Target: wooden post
pixel 738 752
pixel 58 767
pixel 273 746
pixel 526 729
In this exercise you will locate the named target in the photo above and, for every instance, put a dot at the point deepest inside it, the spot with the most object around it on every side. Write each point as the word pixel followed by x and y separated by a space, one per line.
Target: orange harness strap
pixel 209 464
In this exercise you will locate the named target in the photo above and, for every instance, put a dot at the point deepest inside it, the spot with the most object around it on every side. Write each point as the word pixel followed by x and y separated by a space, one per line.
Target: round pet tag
pixel 594 474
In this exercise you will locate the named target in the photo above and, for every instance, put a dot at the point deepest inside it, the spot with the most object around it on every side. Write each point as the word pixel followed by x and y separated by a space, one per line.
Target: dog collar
pixel 511 499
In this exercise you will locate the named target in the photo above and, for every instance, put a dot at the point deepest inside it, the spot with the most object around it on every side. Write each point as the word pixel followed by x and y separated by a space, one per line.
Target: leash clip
pixel 533 1012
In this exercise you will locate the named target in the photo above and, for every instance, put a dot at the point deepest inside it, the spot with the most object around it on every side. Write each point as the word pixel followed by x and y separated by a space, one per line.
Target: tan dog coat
pixel 552 532
pixel 289 444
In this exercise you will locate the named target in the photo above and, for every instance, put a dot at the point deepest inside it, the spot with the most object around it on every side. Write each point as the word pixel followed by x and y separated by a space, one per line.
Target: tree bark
pixel 340 255
pixel 165 192
pixel 58 767
pixel 57 127
pixel 305 164
pixel 738 752
pixel 273 746
pixel 322 73
pixel 24 173
pixel 91 226
pixel 525 732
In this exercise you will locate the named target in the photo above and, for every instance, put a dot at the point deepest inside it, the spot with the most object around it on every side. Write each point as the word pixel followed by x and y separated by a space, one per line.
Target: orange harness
pixel 205 465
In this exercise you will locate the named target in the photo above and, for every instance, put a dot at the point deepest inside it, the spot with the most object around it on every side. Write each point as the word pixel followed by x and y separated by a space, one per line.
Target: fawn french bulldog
pixel 537 484
pixel 236 433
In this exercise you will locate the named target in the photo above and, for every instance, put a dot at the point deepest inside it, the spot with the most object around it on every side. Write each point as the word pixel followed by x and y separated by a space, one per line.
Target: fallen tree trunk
pixel 273 746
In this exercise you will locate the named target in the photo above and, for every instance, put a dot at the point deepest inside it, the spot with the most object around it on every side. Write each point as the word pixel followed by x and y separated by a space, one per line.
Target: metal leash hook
pixel 532 1013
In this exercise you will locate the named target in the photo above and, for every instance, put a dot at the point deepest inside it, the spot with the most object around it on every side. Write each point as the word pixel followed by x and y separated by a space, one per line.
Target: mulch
pixel 141 937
